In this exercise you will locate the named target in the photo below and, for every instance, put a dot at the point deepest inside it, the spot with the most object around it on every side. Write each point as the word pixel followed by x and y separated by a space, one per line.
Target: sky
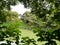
pixel 19 8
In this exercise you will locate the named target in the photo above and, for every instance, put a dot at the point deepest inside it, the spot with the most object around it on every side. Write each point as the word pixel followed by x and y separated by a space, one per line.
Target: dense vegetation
pixel 44 16
pixel 9 23
pixel 44 19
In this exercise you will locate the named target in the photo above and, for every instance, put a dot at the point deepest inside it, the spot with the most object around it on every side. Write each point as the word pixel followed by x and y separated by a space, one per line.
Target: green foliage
pixel 47 21
pixel 44 17
pixel 28 41
pixel 9 22
pixel 5 4
pixel 9 27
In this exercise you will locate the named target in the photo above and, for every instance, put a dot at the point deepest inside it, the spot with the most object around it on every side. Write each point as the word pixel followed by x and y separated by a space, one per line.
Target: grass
pixel 30 34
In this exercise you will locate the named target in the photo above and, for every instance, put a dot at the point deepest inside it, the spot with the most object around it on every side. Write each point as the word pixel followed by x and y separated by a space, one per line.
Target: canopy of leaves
pixel 9 22
pixel 48 14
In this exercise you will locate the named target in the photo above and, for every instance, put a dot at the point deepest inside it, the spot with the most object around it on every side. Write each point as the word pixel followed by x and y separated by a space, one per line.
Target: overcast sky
pixel 19 8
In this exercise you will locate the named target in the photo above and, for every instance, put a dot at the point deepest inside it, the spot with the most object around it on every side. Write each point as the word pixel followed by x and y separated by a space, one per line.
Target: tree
pixel 9 26
pixel 30 19
pixel 5 4
pixel 48 13
pixel 9 22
